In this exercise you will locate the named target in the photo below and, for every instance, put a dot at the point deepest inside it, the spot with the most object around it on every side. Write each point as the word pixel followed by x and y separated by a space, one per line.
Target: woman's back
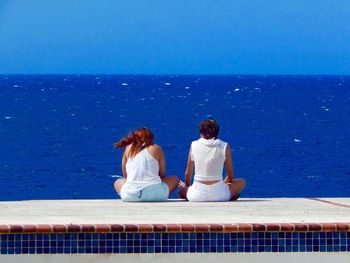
pixel 142 170
pixel 209 158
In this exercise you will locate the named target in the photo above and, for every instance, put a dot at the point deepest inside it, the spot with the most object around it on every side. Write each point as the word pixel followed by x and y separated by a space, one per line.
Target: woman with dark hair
pixel 207 157
pixel 143 166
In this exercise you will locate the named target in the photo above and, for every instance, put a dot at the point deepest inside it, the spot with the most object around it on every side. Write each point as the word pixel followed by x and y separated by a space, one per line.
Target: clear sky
pixel 175 36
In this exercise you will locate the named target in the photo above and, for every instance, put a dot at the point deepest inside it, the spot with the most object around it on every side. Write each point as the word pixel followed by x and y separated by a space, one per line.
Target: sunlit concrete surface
pixel 246 210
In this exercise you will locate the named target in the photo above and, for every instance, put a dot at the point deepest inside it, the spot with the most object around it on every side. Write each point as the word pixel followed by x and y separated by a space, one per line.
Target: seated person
pixel 143 166
pixel 207 156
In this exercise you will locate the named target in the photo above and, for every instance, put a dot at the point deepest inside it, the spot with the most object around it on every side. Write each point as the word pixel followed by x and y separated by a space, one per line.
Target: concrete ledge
pixel 247 214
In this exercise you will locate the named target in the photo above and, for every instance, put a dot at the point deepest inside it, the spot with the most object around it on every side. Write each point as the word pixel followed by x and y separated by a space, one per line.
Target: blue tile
pixel 178 249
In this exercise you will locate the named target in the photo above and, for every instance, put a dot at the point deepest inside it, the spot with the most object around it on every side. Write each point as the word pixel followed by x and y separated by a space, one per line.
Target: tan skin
pixel 235 185
pixel 158 154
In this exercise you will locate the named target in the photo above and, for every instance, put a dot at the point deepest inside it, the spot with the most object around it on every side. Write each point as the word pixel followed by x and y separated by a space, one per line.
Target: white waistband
pixel 199 177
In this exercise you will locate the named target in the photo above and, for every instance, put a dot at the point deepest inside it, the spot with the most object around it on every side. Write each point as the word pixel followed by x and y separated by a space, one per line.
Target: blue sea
pixel 290 135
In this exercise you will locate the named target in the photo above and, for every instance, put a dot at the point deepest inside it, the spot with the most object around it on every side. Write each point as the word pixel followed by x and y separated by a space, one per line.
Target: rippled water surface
pixel 290 135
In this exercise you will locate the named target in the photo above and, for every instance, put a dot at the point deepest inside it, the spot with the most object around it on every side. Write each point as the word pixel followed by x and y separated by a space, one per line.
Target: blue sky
pixel 175 36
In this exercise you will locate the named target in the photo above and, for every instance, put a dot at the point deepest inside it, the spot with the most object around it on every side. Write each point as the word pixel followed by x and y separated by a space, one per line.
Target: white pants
pixel 218 192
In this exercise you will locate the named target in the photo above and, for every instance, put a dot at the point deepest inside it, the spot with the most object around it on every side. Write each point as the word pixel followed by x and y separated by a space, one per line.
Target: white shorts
pixel 218 192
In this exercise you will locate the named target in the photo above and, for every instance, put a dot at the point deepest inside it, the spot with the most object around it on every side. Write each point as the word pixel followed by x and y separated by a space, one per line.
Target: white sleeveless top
pixel 209 157
pixel 142 170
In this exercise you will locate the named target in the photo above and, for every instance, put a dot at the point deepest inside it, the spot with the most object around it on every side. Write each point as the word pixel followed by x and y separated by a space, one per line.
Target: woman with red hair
pixel 143 166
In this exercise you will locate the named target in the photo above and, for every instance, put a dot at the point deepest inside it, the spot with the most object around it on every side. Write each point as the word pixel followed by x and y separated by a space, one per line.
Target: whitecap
pixel 8 117
pixel 16 86
pixel 297 140
pixel 187 87
pixel 237 90
pixel 125 84
pixel 115 176
pixel 167 83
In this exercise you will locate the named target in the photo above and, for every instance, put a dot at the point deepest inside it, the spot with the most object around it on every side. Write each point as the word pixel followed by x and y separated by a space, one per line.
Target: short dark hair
pixel 209 128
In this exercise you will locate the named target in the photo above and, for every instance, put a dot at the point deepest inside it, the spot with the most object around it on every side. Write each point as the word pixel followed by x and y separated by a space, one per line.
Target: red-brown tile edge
pixel 149 228
pixel 173 228
pixel 42 228
pixel 103 228
pixel 4 229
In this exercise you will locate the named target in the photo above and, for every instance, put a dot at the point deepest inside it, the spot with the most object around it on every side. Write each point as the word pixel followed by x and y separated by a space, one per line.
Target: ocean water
pixel 290 135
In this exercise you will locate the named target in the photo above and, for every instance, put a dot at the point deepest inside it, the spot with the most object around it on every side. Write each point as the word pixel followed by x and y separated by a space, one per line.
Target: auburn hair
pixel 209 128
pixel 139 139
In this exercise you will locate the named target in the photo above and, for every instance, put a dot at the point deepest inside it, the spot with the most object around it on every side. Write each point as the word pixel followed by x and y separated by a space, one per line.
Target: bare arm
pixel 124 159
pixel 189 169
pixel 161 161
pixel 228 165
pixel 157 152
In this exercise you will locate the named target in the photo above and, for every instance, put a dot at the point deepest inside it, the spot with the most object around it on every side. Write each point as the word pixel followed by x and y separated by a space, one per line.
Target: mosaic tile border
pixel 187 242
pixel 149 228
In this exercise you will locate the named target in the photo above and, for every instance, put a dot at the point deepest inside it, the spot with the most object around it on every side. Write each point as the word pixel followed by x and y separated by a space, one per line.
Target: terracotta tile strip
pixel 88 228
pixel 4 229
pixel 188 228
pixel 145 228
pixel 131 228
pixel 201 227
pixel 149 228
pixel 42 228
pixel 216 228
pixel 287 227
pixel 173 228
pixel 230 228
pixel 273 227
pixel 343 227
pixel 103 228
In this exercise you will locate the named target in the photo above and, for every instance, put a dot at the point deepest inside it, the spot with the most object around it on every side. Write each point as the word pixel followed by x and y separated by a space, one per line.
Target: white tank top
pixel 209 157
pixel 142 170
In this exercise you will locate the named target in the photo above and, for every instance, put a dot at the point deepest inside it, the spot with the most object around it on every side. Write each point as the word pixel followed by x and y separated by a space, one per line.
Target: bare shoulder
pixel 127 150
pixel 155 150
